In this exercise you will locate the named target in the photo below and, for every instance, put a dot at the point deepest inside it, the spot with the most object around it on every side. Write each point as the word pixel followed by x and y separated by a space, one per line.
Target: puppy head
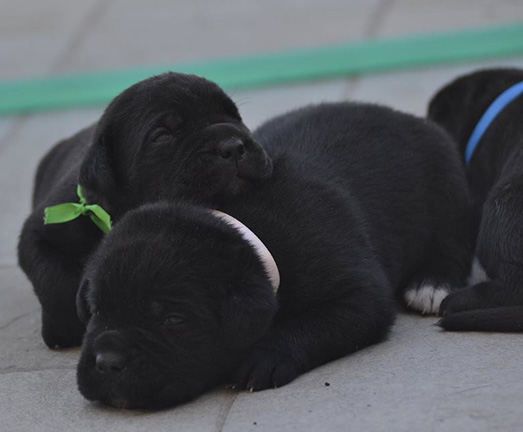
pixel 169 136
pixel 460 104
pixel 171 299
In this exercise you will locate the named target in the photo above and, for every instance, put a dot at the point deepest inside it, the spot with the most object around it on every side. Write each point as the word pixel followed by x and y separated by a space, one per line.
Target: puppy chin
pixel 228 187
pixel 127 404
pixel 109 395
pixel 151 404
pixel 236 187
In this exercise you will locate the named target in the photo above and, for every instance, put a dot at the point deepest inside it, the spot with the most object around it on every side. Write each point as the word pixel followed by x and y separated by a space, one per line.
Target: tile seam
pixel 223 419
pixel 375 21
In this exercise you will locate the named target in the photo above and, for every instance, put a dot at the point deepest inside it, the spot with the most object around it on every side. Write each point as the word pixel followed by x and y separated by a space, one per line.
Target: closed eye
pixel 173 320
pixel 161 135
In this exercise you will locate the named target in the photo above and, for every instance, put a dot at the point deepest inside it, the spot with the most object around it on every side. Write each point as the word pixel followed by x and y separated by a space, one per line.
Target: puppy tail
pixel 501 319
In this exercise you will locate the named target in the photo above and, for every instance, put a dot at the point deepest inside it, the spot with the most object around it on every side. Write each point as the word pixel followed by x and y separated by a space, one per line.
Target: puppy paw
pixel 62 332
pixel 481 296
pixel 263 369
pixel 426 298
pixel 452 303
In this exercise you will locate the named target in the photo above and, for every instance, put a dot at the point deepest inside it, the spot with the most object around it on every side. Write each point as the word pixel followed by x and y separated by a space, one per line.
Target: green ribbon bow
pixel 69 211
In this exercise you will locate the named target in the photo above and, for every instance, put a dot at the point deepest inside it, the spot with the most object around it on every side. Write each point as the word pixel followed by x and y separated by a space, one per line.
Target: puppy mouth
pixel 118 403
pixel 249 169
pixel 148 401
pixel 108 395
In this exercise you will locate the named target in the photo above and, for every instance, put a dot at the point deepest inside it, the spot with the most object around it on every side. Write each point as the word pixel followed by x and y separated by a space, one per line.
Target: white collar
pixel 261 250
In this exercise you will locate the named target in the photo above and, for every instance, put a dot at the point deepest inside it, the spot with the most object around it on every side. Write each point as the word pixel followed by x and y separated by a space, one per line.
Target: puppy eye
pixel 173 320
pixel 161 135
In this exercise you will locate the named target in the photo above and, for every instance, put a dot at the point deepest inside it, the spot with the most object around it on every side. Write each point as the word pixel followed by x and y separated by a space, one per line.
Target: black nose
pixel 110 361
pixel 232 149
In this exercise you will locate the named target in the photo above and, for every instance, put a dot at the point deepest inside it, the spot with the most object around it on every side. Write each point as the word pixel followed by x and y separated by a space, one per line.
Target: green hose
pixel 30 95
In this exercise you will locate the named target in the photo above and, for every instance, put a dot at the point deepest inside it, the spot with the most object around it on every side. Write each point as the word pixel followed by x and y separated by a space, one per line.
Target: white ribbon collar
pixel 261 250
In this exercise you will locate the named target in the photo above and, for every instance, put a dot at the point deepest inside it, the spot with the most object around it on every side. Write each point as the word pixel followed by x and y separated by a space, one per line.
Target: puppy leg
pixel 440 275
pixel 448 261
pixel 55 278
pixel 306 338
pixel 500 250
pixel 484 295
pixel 487 306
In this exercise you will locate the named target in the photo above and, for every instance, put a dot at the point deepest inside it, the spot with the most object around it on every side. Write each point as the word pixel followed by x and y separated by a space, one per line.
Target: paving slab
pixel 48 401
pixel 34 35
pixel 166 32
pixel 6 127
pixel 21 346
pixel 422 379
pixel 420 16
pixel 18 298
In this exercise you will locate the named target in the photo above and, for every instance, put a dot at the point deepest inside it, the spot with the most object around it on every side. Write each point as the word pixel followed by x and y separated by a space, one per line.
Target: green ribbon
pixel 66 212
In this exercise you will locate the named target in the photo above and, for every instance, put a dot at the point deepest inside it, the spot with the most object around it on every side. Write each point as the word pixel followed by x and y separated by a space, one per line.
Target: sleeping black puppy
pixel 364 203
pixel 484 112
pixel 170 136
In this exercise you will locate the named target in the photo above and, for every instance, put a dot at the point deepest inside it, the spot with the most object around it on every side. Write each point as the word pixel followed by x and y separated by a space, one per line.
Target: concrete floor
pixel 422 379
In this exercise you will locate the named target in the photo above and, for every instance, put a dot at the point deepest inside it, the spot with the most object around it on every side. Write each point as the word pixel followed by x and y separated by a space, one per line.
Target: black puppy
pixel 170 136
pixel 364 203
pixel 495 175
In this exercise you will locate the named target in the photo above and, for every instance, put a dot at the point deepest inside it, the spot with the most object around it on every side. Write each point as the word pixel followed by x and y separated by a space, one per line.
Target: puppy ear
pixel 440 107
pixel 246 318
pixel 97 170
pixel 248 309
pixel 82 306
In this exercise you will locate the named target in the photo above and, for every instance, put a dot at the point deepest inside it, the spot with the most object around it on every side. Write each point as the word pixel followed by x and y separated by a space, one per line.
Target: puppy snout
pixel 111 352
pixel 110 361
pixel 233 149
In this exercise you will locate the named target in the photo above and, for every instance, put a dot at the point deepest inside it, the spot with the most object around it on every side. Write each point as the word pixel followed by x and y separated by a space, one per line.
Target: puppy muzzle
pixel 235 145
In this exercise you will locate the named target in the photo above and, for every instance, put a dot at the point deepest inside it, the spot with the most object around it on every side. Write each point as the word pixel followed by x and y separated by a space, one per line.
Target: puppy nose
pixel 232 149
pixel 110 361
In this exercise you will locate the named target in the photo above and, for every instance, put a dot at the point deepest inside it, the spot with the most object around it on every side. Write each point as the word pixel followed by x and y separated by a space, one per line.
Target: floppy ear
pixel 82 306
pixel 248 309
pixel 247 317
pixel 97 170
pixel 450 107
pixel 445 105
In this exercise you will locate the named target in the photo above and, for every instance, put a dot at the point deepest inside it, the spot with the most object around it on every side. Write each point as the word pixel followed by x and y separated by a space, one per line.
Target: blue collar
pixel 488 117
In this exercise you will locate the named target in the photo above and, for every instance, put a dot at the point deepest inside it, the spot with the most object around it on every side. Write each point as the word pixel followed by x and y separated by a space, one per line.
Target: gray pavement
pixel 420 379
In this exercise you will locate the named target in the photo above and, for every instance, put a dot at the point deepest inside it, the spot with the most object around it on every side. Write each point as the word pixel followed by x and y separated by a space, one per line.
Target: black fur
pixel 495 176
pixel 170 136
pixel 363 203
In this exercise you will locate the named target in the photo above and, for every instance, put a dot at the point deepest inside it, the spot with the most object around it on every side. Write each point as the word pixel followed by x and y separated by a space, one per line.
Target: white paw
pixel 427 298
